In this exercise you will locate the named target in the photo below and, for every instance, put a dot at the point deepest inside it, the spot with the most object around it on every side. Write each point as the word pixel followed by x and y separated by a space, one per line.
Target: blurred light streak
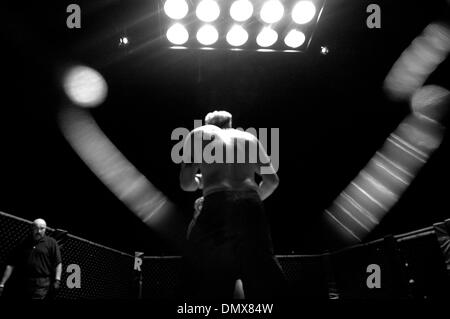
pixel 418 61
pixel 379 185
pixel 116 172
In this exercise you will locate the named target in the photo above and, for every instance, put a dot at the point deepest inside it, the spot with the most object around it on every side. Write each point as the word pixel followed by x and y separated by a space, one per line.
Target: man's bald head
pixel 40 222
pixel 39 227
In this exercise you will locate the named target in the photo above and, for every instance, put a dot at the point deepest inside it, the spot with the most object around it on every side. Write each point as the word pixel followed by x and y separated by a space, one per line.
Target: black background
pixel 331 111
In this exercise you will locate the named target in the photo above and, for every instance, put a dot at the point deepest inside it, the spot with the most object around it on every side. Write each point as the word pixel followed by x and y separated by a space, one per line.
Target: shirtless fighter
pixel 231 237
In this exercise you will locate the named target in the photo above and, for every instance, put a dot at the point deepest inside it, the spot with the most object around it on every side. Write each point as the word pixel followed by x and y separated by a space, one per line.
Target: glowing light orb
pixel 177 34
pixel 176 9
pixel 241 10
pixel 294 39
pixel 303 12
pixel 237 36
pixel 272 11
pixel 85 86
pixel 208 10
pixel 207 35
pixel 267 37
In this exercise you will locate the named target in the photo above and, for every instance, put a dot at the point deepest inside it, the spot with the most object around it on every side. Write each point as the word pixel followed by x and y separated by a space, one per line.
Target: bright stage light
pixel 303 12
pixel 208 10
pixel 177 34
pixel 84 86
pixel 176 9
pixel 237 36
pixel 249 25
pixel 241 10
pixel 272 11
pixel 207 35
pixel 294 39
pixel 267 37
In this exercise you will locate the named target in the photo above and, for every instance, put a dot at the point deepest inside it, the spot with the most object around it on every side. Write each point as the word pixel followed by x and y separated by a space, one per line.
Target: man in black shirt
pixel 37 264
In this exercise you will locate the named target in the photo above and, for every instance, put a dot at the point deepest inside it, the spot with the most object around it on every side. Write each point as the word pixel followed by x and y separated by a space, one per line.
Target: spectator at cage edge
pixel 34 268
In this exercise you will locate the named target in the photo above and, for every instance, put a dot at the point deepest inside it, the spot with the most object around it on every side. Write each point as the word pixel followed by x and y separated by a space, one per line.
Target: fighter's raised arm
pixel 270 180
pixel 190 179
pixel 189 182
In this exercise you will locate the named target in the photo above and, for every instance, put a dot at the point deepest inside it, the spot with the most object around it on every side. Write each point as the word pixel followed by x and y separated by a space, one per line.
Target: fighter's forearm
pixel 199 181
pixel 58 271
pixel 8 271
pixel 266 189
pixel 189 179
pixel 190 186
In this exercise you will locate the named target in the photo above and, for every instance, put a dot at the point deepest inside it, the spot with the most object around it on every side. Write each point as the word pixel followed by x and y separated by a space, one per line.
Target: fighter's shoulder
pixel 208 129
pixel 243 135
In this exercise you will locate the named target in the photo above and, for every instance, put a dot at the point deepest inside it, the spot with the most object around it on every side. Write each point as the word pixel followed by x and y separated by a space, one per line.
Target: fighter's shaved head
pixel 221 119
